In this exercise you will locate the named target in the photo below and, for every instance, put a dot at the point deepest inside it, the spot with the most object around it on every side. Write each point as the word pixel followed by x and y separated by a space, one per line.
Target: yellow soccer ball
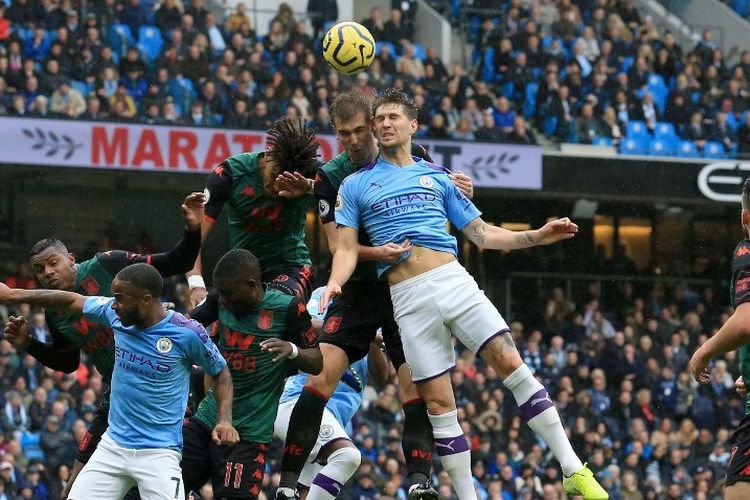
pixel 348 47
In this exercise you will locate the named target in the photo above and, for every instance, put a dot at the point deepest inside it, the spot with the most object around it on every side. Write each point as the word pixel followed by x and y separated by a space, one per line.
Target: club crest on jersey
pixel 90 284
pixel 207 194
pixel 324 208
pixel 326 431
pixel 164 345
pixel 339 202
pixel 265 319
pixel 426 182
pixel 332 324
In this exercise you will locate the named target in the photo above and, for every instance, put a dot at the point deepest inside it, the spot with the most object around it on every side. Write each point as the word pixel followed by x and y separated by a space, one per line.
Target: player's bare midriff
pixel 420 261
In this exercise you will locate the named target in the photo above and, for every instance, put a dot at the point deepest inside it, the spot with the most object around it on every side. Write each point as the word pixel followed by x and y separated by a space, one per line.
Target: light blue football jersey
pixel 151 377
pixel 345 400
pixel 393 203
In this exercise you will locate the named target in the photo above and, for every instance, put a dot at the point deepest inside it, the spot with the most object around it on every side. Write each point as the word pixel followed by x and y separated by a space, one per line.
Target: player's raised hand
pixel 332 291
pixel 556 230
pixel 281 348
pixel 699 368
pixel 192 210
pixel 291 185
pixel 739 386
pixel 391 252
pixel 463 183
pixel 197 296
pixel 224 433
pixel 18 332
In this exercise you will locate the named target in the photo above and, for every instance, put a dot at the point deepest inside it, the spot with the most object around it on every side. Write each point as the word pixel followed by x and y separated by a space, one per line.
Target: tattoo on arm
pixel 524 238
pixel 478 232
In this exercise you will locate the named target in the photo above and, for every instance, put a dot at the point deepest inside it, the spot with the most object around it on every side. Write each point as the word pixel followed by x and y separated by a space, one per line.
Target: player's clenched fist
pixel 18 332
pixel 224 433
pixel 197 296
pixel 192 210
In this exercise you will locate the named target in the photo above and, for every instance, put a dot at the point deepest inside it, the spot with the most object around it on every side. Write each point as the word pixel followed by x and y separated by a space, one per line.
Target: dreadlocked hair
pixel 293 146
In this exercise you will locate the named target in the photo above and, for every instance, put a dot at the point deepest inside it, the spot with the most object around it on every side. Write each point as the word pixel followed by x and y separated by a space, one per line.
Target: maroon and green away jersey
pixel 739 293
pixel 258 381
pixel 271 228
pixel 72 333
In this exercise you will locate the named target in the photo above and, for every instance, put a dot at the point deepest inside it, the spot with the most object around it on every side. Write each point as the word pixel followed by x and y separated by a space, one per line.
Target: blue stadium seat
pixel 380 44
pixel 714 150
pixel 627 63
pixel 30 445
pixel 687 149
pixel 119 37
pixel 150 41
pixel 633 146
pixel 419 51
pixel 659 147
pixel 550 126
pixel 601 140
pixel 488 64
pixel 529 104
pixel 664 130
pixel 733 122
pixel 82 87
pixel 636 129
pixel 741 7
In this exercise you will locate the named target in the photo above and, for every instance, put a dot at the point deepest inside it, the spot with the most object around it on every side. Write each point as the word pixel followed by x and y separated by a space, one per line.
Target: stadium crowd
pixel 645 427
pixel 613 356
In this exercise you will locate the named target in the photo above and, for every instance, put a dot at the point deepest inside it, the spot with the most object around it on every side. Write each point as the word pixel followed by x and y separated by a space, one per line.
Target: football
pixel 348 47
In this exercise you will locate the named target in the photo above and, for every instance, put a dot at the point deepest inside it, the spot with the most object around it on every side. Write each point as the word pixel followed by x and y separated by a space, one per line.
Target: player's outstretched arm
pixel 59 355
pixel 224 432
pixel 54 299
pixel 732 335
pixel 490 237
pixel 344 262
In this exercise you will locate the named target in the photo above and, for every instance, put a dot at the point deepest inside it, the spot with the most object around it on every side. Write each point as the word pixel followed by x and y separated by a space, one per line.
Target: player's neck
pixel 152 317
pixel 398 155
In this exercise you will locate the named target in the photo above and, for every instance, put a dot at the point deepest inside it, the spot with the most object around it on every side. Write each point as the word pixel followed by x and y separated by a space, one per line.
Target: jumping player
pixel 155 350
pixel 408 201
pixel 56 269
pixel 334 458
pixel 262 333
pixel 261 220
pixel 734 334
pixel 363 307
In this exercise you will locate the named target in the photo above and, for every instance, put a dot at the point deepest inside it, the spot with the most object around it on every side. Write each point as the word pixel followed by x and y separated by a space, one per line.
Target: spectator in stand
pixel 463 131
pixel 134 15
pixel 4 25
pixel 504 116
pixel 66 97
pixel 374 23
pixel 611 126
pixel 169 16
pixel 722 132
pixel 237 19
pixel 395 29
pixel 285 16
pixel 696 130
pixel 322 12
pixel 588 126
pixel 647 111
pixel 199 14
pixel 521 134
pixel 489 132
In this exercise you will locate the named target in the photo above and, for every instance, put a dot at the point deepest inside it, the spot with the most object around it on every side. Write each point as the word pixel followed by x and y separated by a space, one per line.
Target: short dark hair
pixel 349 104
pixel 44 244
pixel 746 194
pixel 142 276
pixel 396 96
pixel 237 262
pixel 292 144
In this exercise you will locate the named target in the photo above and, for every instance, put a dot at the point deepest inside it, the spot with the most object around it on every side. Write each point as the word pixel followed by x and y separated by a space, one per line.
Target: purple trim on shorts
pixel 484 344
pixel 536 404
pixel 451 446
pixel 433 376
pixel 332 486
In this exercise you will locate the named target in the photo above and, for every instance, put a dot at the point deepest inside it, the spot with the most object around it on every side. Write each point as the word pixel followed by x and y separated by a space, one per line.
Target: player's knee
pixel 347 459
pixel 325 382
pixel 501 353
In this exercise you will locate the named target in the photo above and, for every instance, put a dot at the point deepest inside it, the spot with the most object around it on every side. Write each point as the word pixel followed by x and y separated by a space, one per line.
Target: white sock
pixel 340 466
pixel 453 450
pixel 539 411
